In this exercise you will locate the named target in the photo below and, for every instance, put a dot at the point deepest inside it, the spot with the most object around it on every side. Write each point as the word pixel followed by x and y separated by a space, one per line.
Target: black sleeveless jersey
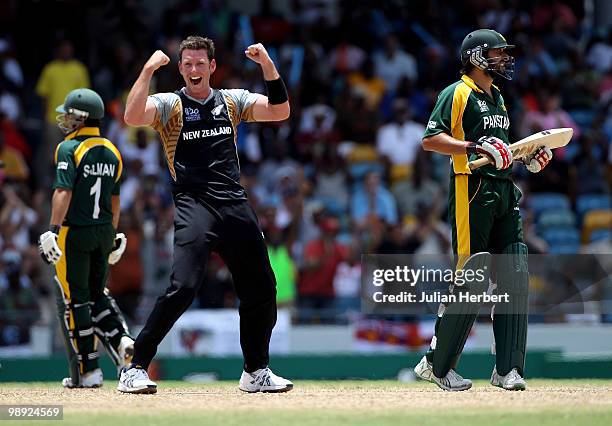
pixel 199 140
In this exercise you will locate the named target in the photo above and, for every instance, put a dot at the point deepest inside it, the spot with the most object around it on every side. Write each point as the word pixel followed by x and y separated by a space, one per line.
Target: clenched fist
pixel 257 53
pixel 157 59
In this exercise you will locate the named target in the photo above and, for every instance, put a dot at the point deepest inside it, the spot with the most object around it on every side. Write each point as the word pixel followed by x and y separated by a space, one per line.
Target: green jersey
pixel 467 113
pixel 89 166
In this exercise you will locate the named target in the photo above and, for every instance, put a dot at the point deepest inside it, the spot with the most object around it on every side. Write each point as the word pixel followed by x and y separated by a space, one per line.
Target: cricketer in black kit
pixel 197 127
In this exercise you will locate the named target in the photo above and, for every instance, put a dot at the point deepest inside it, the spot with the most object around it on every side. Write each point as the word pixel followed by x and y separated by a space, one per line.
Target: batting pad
pixel 510 319
pixel 457 318
pixel 109 324
pixel 78 331
pixel 63 313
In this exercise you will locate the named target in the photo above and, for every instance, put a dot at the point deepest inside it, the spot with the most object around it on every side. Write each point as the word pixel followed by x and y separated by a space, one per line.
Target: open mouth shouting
pixel 195 80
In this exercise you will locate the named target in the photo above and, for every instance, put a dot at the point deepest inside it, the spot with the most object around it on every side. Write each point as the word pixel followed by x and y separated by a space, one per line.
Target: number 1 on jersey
pixel 95 190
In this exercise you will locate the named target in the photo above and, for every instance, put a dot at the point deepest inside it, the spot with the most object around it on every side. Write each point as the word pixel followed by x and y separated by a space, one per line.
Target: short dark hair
pixel 197 43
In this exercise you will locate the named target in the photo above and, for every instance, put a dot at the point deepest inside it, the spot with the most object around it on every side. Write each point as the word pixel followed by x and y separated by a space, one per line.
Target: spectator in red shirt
pixel 321 258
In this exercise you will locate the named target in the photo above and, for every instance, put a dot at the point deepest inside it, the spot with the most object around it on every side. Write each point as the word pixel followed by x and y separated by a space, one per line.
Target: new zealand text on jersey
pixel 196 134
pixel 497 120
pixel 99 169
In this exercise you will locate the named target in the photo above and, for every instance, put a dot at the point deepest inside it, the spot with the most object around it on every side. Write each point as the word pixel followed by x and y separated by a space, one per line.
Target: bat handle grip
pixel 483 161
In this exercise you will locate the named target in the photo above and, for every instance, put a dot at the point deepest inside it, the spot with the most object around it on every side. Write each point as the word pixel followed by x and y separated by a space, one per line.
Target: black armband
pixel 55 229
pixel 277 92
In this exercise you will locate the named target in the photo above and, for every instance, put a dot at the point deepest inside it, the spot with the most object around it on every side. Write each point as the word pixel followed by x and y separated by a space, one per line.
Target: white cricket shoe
pixel 92 379
pixel 135 380
pixel 263 380
pixel 511 381
pixel 126 351
pixel 451 382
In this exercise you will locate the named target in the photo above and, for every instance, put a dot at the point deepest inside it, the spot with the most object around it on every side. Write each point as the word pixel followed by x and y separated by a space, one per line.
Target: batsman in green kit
pixel 81 240
pixel 470 120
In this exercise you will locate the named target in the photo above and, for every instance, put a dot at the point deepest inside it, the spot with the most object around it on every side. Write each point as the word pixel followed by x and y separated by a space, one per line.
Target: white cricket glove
pixel 494 148
pixel 48 248
pixel 538 160
pixel 118 248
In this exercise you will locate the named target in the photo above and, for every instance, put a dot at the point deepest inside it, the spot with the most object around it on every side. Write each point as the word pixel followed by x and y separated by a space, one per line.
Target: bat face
pixel 553 138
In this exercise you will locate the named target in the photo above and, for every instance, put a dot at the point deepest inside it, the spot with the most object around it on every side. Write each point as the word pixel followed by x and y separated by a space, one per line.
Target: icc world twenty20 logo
pixel 192 114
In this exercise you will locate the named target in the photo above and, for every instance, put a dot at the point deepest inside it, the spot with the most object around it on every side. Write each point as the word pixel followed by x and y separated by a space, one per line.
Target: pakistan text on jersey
pixel 196 134
pixel 491 121
pixel 99 169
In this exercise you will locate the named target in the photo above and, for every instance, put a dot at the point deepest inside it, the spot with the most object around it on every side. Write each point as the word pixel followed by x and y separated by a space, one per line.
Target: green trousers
pixel 484 216
pixel 85 308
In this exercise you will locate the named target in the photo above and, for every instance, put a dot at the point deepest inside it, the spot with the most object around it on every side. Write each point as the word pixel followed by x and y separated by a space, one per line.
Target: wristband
pixel 277 92
pixel 55 229
pixel 471 148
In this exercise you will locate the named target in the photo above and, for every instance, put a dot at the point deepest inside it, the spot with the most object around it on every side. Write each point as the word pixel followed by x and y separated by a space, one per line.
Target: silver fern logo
pixel 216 111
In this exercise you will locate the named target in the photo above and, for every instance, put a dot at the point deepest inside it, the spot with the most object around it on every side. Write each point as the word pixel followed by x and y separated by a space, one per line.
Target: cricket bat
pixel 552 138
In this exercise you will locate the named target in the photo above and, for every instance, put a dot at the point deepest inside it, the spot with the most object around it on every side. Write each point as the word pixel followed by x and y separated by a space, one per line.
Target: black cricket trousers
pixel 232 230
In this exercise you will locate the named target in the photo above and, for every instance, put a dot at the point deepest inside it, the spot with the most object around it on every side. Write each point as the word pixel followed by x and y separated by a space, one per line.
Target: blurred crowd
pixel 345 175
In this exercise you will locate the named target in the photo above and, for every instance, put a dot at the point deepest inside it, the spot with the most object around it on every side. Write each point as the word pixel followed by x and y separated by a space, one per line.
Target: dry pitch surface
pixel 326 402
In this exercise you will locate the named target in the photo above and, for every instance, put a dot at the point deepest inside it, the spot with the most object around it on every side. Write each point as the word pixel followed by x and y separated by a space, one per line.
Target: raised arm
pixel 275 106
pixel 139 110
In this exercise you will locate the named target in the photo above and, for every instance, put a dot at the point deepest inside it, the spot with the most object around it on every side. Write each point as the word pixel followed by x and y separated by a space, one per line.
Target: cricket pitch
pixel 545 402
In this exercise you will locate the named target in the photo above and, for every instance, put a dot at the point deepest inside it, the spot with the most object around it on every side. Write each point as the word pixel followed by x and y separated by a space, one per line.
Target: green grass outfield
pixel 546 402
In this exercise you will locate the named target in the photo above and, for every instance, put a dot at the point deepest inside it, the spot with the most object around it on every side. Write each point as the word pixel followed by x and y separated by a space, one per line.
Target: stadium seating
pixel 596 221
pixel 562 236
pixel 600 235
pixel 588 202
pixel 564 248
pixel 542 201
pixel 550 219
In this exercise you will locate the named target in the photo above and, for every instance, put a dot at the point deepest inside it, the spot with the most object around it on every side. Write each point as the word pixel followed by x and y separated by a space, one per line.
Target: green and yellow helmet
pixel 79 105
pixel 474 51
